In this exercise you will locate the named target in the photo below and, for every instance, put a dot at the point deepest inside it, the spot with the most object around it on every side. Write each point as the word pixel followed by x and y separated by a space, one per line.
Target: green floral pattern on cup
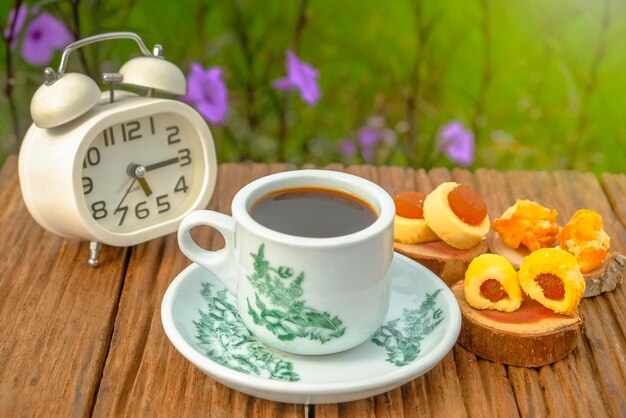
pixel 226 340
pixel 281 308
pixel 402 336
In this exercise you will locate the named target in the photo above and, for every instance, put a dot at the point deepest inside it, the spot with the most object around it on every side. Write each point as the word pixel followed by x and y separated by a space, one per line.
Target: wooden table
pixel 78 341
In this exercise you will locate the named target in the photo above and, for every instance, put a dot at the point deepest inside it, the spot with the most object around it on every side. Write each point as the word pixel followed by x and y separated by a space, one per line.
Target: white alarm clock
pixel 115 168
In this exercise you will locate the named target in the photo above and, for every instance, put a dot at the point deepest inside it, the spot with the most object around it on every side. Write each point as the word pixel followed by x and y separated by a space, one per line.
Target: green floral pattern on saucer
pixel 225 340
pixel 200 317
pixel 402 336
pixel 281 308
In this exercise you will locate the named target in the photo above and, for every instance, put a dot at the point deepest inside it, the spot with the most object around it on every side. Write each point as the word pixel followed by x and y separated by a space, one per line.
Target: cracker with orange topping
pixel 527 226
pixel 584 237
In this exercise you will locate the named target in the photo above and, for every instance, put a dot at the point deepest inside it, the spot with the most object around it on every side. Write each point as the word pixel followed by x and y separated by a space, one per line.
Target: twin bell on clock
pixel 115 167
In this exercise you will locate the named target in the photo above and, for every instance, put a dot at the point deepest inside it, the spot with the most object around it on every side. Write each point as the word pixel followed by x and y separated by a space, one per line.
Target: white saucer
pixel 199 317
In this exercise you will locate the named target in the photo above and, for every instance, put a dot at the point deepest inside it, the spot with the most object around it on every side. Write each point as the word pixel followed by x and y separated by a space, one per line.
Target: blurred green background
pixel 540 83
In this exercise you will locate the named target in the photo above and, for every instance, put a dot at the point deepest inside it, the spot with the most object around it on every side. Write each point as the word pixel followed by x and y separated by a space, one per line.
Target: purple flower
pixel 347 148
pixel 207 92
pixel 457 142
pixel 44 35
pixel 368 138
pixel 18 19
pixel 301 76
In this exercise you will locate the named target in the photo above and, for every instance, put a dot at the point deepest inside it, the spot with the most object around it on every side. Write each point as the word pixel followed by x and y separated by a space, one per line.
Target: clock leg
pixel 94 251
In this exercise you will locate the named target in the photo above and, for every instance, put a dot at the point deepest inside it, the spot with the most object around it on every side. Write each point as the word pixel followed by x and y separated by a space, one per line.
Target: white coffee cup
pixel 299 294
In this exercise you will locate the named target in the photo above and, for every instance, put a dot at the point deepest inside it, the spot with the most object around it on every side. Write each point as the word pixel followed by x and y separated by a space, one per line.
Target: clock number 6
pixel 140 211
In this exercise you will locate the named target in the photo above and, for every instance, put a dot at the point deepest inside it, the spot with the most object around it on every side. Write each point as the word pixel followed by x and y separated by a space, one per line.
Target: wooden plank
pixel 485 388
pixel 57 313
pixel 603 333
pixel 614 186
pixel 563 194
pixel 567 192
pixel 527 390
pixel 144 375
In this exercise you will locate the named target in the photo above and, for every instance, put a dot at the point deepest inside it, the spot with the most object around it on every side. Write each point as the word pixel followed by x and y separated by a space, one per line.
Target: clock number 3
pixel 183 157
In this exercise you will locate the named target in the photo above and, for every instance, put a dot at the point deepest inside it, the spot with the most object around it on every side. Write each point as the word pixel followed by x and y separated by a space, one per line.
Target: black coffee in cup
pixel 314 212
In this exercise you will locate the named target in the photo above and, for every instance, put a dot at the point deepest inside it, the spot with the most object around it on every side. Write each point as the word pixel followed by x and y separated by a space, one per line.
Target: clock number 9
pixel 87 185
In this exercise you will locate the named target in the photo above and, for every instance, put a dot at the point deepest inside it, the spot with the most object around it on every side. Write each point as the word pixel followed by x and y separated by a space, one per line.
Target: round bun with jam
pixel 546 325
pixel 449 255
pixel 409 225
pixel 491 283
pixel 457 214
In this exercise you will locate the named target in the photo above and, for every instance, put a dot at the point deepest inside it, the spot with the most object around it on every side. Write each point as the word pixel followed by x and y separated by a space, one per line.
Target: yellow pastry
pixel 585 238
pixel 491 283
pixel 412 231
pixel 551 276
pixel 457 215
pixel 409 226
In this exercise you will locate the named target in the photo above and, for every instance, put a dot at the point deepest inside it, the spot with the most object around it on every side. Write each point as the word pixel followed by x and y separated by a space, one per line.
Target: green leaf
pixel 285 272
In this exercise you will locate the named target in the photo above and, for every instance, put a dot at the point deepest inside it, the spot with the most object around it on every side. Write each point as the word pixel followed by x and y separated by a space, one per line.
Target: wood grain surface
pixel 77 341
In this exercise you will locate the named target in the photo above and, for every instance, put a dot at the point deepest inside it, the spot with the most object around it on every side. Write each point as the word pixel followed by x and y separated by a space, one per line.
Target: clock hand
pixel 132 183
pixel 162 164
pixel 138 172
pixel 144 186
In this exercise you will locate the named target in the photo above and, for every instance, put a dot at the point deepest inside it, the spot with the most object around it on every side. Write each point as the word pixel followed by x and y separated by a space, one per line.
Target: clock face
pixel 142 172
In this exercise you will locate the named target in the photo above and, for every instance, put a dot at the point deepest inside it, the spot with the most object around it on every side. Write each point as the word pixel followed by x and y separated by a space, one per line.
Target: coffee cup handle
pixel 221 262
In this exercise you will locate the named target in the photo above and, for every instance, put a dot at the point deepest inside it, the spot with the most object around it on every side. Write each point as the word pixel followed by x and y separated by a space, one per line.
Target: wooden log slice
pixel 603 279
pixel 532 344
pixel 445 261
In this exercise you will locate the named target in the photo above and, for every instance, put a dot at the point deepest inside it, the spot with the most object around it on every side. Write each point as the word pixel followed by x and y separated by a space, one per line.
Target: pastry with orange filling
pixel 529 224
pixel 414 238
pixel 457 214
pixel 409 226
pixel 585 238
pixel 491 283
pixel 551 276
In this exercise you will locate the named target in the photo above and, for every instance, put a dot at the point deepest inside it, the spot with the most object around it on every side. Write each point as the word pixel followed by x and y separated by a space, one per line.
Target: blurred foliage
pixel 539 82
